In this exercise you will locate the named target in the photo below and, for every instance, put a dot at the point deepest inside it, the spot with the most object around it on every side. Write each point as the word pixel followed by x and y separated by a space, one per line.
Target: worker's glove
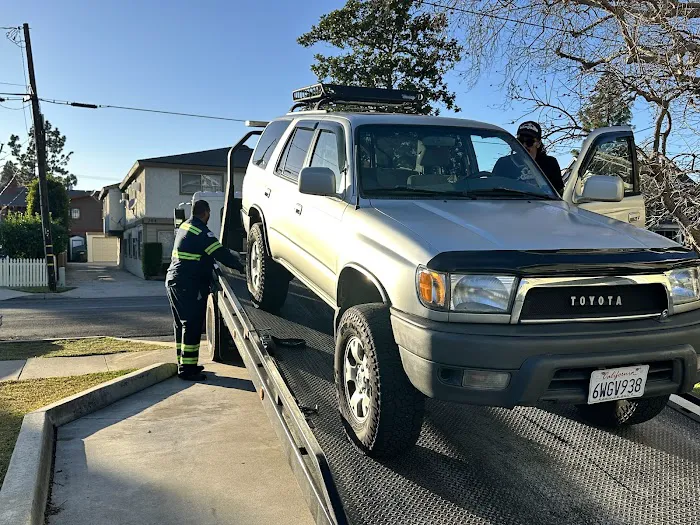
pixel 239 267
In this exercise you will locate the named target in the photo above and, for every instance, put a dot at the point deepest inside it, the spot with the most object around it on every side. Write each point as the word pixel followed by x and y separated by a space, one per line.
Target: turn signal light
pixel 432 288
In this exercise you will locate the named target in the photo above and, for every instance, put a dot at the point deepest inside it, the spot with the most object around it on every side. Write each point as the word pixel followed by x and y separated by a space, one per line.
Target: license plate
pixel 617 383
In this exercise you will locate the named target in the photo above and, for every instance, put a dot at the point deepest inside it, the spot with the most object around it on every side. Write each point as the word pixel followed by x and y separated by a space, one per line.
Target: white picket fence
pixel 23 272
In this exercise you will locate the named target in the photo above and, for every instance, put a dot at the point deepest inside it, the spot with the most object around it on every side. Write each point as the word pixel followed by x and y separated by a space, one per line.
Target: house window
pixel 191 182
pixel 75 213
pixel 128 245
pixel 133 247
pixel 139 245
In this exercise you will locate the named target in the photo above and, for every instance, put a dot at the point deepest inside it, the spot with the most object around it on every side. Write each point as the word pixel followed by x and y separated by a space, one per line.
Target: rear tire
pixel 380 409
pixel 615 414
pixel 268 282
pixel 221 347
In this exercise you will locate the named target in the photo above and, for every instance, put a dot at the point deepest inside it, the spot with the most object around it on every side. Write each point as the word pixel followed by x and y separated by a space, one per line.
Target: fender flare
pixel 264 225
pixel 370 276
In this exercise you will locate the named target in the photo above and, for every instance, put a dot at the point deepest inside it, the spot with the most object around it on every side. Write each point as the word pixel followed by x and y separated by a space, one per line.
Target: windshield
pixel 445 162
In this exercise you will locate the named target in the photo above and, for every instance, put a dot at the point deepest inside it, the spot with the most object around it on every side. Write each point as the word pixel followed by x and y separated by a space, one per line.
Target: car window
pixel 268 141
pixel 442 159
pixel 326 155
pixel 292 159
pixel 613 158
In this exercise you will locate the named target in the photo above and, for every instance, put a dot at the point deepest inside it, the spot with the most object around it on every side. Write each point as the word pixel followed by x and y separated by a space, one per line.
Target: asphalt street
pixel 119 317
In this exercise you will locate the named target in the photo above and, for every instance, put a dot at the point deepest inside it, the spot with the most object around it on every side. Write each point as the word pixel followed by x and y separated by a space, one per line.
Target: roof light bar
pixel 317 94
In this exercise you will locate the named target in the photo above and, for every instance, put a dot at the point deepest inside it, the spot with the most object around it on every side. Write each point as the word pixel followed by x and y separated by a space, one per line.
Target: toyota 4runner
pixel 457 272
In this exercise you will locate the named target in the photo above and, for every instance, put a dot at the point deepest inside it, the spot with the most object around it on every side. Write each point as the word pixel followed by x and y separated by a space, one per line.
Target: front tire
pixel 220 344
pixel 625 412
pixel 380 409
pixel 268 282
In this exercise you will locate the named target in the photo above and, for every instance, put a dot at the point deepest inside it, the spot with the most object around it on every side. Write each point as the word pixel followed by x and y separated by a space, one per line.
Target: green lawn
pixel 40 289
pixel 20 397
pixel 71 348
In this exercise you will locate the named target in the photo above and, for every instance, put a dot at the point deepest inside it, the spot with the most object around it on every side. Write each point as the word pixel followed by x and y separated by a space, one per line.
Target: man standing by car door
pixel 188 281
pixel 530 136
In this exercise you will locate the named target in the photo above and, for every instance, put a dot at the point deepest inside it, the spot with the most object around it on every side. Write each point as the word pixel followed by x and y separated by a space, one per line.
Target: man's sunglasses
pixel 527 140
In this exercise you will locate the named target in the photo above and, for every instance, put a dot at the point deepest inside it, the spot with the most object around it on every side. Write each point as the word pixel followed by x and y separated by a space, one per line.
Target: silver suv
pixel 457 272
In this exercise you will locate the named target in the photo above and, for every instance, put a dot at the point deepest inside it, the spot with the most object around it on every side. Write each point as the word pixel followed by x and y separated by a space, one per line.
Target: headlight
pixel 685 285
pixel 482 294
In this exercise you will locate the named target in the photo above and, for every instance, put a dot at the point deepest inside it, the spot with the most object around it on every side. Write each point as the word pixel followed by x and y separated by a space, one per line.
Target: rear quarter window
pixel 268 141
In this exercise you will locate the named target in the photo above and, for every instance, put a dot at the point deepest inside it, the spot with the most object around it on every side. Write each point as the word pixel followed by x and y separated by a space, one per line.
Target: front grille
pixel 574 381
pixel 590 302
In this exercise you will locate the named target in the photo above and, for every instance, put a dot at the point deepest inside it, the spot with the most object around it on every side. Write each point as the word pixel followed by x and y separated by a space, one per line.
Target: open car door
pixel 608 151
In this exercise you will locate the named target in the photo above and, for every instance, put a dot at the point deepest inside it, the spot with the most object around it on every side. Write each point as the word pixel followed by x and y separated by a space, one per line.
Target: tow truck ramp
pixel 472 465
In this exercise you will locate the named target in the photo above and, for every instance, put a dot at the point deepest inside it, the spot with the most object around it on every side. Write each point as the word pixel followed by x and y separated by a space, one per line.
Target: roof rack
pixel 314 96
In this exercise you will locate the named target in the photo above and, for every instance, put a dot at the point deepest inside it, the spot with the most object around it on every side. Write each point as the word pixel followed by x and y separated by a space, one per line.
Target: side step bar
pixel 303 452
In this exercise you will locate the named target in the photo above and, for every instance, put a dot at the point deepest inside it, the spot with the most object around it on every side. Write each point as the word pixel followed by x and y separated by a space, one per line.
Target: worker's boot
pixel 191 373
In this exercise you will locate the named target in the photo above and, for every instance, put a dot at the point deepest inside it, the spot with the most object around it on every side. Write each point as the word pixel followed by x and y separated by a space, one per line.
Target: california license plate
pixel 617 383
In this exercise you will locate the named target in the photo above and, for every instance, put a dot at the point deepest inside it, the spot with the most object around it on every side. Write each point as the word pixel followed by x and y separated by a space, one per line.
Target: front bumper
pixel 545 362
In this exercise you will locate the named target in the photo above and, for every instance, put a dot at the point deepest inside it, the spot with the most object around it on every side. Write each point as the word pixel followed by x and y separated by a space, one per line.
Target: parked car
pixel 457 272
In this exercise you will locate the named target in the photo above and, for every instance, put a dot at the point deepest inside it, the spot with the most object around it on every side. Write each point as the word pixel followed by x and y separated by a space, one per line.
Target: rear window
pixel 268 141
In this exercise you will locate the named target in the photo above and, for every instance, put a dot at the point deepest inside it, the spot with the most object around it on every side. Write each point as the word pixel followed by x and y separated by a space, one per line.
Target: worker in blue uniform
pixel 188 283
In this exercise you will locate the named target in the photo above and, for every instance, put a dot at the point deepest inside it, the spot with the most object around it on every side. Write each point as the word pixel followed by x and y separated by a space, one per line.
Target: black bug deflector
pixel 477 465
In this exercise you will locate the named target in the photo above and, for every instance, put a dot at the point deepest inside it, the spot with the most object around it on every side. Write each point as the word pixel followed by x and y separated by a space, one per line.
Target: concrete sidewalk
pixel 37 367
pixel 177 453
pixel 96 281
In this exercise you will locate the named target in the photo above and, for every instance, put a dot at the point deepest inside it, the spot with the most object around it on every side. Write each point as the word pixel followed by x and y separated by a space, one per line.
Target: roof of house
pixel 78 194
pixel 212 158
pixel 15 197
pixel 105 190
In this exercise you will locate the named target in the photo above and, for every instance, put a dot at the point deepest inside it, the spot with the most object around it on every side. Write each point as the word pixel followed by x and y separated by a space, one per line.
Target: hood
pixel 509 224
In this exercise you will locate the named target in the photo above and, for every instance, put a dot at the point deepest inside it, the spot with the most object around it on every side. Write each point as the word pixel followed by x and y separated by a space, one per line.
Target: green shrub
pixel 21 236
pixel 152 258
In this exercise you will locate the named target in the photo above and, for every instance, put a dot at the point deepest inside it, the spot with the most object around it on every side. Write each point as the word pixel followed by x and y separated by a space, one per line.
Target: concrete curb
pixel 24 492
pixel 156 343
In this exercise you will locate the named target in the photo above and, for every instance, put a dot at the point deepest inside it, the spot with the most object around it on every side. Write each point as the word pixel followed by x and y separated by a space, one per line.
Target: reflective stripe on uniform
pixel 189 360
pixel 186 256
pixel 190 349
pixel 212 247
pixel 190 228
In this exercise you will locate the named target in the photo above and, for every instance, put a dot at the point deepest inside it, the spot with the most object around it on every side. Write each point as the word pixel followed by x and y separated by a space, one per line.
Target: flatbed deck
pixel 474 465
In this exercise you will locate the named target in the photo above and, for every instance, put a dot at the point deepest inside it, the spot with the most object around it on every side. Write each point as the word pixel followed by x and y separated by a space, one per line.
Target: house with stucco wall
pixel 154 187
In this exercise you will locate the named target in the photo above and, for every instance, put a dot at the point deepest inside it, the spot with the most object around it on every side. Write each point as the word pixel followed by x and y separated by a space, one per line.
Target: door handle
pixel 297 209
pixel 267 192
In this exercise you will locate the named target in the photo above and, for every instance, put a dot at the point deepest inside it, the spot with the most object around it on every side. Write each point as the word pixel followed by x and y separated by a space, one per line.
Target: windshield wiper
pixel 499 190
pixel 420 191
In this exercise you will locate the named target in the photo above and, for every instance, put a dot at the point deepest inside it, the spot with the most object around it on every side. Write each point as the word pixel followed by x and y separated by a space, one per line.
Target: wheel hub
pixel 256 266
pixel 358 389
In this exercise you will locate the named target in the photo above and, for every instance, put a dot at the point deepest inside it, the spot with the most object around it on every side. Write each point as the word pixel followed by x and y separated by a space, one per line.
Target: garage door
pixel 104 249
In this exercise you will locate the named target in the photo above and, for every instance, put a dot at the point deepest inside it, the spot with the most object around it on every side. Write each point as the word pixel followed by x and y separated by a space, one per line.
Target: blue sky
pixel 235 59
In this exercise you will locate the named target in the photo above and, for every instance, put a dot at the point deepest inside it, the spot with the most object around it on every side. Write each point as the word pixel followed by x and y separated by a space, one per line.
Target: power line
pixel 512 20
pixel 128 108
pixel 13 84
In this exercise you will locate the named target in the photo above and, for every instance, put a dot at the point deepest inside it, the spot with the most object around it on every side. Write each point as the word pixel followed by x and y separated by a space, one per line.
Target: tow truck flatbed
pixel 472 465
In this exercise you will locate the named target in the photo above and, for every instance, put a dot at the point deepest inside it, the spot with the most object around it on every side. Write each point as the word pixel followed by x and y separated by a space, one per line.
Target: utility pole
pixel 40 145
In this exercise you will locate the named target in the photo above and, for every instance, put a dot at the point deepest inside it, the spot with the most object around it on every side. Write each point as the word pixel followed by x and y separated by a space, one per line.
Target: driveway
pixel 100 280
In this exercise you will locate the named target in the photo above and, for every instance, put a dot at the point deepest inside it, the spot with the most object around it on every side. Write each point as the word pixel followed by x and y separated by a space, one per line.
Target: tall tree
pixel 59 201
pixel 552 53
pixel 9 170
pixel 389 44
pixel 56 159
pixel 608 105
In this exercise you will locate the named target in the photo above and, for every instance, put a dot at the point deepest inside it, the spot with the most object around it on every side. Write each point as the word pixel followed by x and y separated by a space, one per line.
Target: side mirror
pixel 317 181
pixel 602 188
